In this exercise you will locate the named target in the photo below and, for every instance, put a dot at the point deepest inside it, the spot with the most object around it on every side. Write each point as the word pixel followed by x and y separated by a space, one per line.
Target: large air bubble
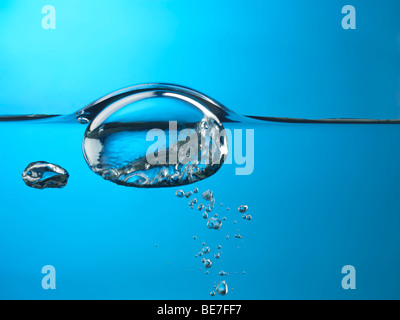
pixel 155 139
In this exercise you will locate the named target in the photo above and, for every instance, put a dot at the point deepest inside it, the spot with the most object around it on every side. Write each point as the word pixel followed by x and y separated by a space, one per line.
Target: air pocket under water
pixel 154 139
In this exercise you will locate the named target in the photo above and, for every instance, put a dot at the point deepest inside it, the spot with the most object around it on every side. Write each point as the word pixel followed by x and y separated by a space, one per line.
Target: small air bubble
pixel 188 194
pixel 207 263
pixel 42 175
pixel 214 223
pixel 83 120
pixel 179 193
pixel 207 195
pixel 222 288
pixel 206 250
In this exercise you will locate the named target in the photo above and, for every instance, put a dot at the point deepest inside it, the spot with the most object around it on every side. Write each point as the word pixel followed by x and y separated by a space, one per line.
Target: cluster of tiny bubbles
pixel 213 223
pixel 222 288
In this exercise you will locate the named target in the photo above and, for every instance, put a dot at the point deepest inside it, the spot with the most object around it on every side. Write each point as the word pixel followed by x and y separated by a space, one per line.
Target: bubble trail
pixel 42 175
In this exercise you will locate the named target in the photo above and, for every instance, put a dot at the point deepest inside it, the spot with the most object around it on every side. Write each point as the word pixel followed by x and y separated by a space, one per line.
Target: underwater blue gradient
pixel 321 196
